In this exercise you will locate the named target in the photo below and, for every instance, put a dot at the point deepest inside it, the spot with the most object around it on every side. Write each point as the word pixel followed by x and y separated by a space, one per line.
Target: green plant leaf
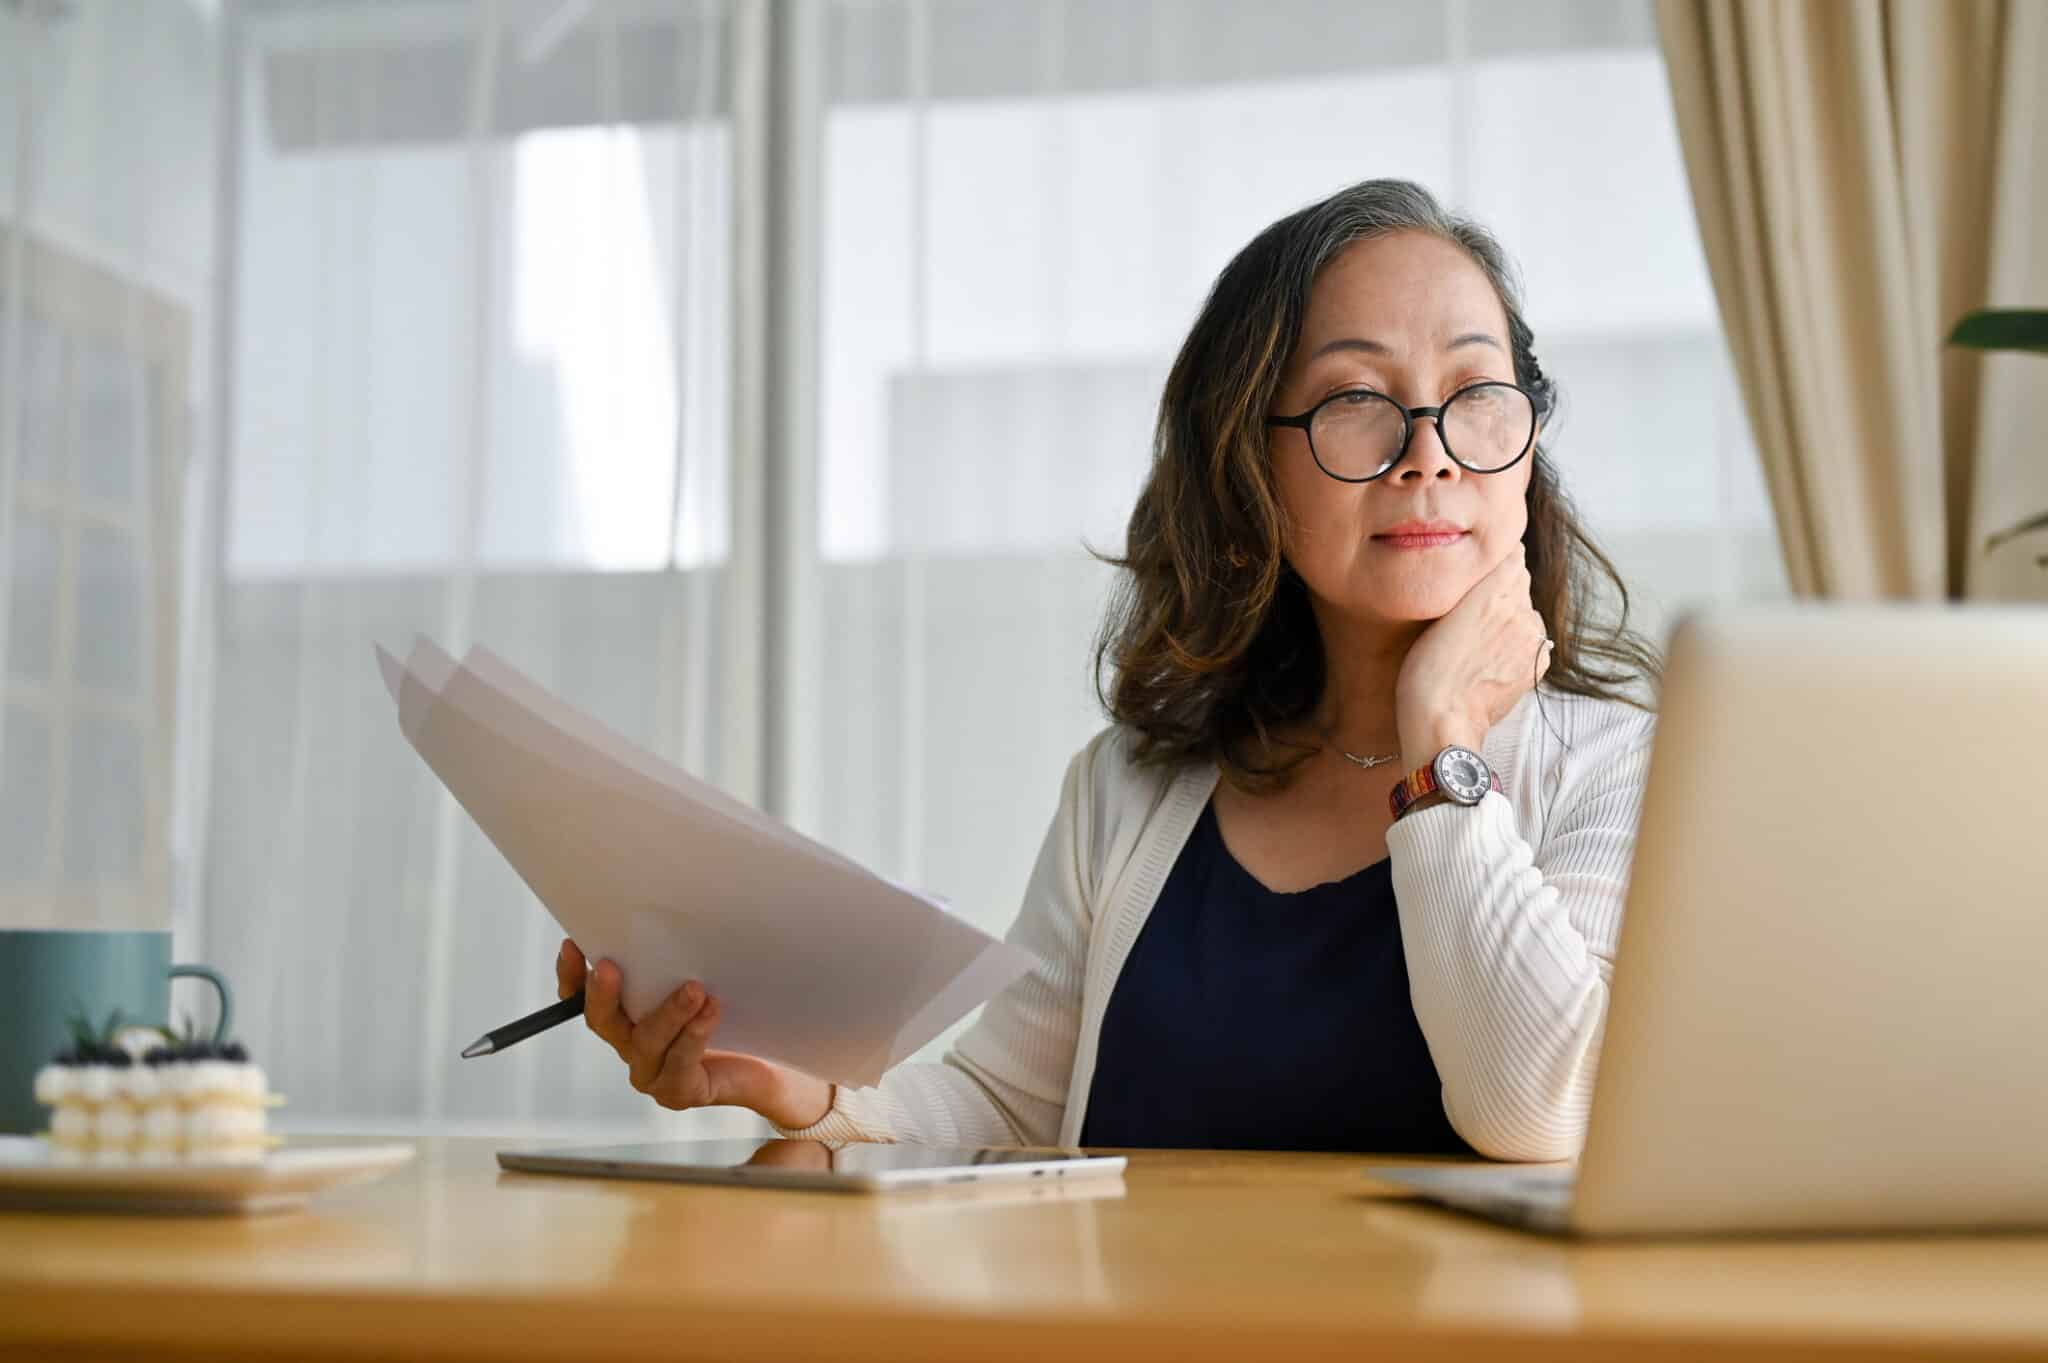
pixel 2003 329
pixel 79 1023
pixel 2013 532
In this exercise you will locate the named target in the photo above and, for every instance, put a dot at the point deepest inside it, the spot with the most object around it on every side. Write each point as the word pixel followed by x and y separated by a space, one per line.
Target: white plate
pixel 32 1177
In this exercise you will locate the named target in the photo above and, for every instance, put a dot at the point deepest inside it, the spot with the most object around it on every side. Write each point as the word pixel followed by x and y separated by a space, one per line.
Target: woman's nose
pixel 1426 456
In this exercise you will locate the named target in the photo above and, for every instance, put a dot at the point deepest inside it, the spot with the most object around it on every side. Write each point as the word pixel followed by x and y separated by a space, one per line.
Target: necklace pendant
pixel 1369 762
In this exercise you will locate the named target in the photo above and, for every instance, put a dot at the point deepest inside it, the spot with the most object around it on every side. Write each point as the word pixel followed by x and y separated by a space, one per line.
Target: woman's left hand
pixel 1469 668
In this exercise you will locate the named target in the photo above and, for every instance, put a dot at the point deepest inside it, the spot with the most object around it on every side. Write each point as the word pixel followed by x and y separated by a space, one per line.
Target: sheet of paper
pixel 817 962
pixel 490 686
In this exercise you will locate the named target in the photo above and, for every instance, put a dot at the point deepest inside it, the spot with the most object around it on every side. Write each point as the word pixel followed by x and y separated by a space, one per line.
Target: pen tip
pixel 481 1046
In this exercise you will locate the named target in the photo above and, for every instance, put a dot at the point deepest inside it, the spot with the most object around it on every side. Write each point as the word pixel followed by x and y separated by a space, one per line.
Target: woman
pixel 1347 871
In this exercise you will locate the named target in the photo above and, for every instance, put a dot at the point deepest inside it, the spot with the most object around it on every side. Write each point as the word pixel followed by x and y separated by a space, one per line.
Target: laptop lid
pixel 1830 1003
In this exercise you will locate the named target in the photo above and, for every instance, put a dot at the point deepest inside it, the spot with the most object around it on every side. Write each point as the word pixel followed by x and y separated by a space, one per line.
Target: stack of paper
pixel 816 962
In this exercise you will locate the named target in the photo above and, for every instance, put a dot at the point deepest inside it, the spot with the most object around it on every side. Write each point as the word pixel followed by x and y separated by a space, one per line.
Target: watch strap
pixel 1423 801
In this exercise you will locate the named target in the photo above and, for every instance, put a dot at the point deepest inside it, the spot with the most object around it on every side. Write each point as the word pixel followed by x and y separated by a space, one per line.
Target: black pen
pixel 533 1024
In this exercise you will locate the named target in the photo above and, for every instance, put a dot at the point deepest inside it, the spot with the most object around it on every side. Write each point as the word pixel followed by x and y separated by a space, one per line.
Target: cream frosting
pixel 189 1109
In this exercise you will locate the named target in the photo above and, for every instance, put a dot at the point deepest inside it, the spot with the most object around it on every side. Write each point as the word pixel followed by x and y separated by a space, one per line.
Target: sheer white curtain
pixel 105 251
pixel 1022 208
pixel 480 356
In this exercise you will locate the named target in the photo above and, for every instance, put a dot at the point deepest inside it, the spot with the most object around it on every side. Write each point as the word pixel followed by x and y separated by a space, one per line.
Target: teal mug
pixel 46 978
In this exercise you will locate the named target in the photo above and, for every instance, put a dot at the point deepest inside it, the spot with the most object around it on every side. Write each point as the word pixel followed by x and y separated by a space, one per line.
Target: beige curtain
pixel 1865 172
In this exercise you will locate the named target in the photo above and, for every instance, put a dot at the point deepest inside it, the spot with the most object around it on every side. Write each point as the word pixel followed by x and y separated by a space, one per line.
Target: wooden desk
pixel 1201 1256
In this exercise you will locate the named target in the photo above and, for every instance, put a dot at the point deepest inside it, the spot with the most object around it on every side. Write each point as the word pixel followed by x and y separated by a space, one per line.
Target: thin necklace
pixel 1368 762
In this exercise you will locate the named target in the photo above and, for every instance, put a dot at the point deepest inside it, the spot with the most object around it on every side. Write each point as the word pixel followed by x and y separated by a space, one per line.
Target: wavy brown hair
pixel 1209 644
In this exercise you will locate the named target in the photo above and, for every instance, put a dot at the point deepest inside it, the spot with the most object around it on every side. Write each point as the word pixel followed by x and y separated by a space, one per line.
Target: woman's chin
pixel 1381 599
pixel 1417 606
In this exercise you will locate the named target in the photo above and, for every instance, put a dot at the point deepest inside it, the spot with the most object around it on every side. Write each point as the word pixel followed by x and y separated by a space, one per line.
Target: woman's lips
pixel 1430 541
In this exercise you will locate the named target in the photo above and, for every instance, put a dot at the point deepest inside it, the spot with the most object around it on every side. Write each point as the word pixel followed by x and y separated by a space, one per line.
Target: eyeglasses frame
pixel 1303 421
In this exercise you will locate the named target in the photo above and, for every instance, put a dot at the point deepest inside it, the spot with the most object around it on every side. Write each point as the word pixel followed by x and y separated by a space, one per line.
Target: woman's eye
pixel 1491 387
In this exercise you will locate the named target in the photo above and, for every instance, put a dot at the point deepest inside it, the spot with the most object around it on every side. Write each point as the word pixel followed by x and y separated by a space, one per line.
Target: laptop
pixel 1829 1008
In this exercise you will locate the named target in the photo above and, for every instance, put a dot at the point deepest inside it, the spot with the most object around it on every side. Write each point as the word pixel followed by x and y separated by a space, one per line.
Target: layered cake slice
pixel 138 1094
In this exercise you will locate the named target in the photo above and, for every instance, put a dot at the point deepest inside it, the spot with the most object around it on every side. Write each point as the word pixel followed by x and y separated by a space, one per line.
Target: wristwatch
pixel 1457 774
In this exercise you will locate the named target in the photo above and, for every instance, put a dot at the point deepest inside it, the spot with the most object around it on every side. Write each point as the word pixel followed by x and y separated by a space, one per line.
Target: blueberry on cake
pixel 141 1093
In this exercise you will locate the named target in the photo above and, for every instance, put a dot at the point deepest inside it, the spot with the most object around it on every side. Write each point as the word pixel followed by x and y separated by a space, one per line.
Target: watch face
pixel 1463 775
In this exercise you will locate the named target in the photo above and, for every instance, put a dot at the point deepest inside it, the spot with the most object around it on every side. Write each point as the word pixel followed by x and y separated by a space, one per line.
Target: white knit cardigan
pixel 1509 914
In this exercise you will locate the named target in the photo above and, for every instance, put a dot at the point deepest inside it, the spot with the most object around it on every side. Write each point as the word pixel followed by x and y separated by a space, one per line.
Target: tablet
pixel 814 1164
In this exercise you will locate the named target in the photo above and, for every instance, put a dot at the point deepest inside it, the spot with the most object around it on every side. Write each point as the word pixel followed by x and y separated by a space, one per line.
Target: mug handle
pixel 212 977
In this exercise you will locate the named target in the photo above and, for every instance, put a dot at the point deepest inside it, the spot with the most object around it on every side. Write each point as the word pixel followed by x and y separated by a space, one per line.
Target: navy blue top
pixel 1249 1019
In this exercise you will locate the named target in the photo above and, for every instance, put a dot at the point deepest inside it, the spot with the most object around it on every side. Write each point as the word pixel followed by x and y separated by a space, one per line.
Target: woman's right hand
pixel 668 1055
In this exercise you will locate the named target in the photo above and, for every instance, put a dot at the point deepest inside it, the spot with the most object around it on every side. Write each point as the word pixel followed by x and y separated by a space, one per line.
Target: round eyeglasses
pixel 1358 435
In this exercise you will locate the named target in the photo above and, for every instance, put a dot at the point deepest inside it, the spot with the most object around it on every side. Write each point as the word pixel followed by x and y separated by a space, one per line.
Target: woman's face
pixel 1411 316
